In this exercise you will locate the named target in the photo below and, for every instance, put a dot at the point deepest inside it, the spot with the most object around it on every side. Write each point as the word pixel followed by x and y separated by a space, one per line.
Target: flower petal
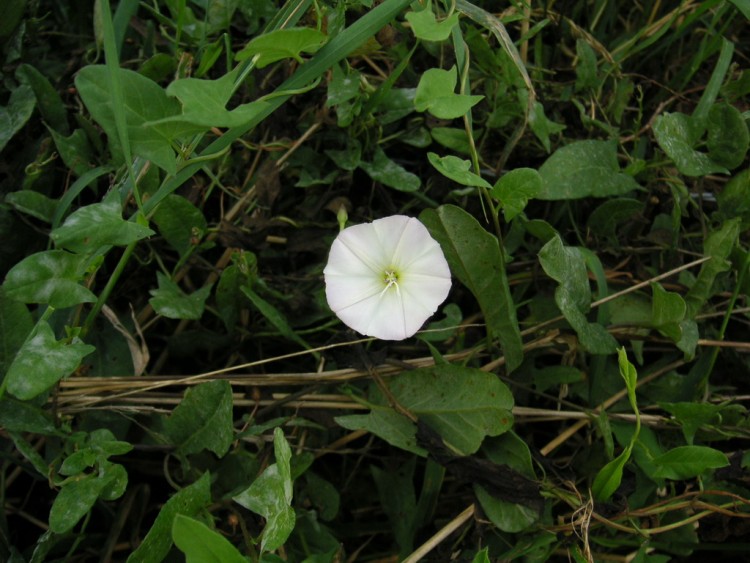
pixel 363 256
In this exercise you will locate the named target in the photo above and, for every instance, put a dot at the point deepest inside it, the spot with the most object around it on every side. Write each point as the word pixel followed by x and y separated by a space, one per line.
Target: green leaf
pixel 97 225
pixel 282 44
pixel 718 246
pixel 15 115
pixel 586 76
pixel 457 169
pixel 508 449
pixel 382 169
pixel 203 420
pixel 49 277
pixel 508 517
pixel 691 416
pixel 734 198
pixel 74 501
pixel 425 26
pixel 436 94
pixel 677 135
pixel 609 477
pixel 204 103
pixel 464 405
pixel 274 316
pixel 604 220
pixel 399 501
pixel 16 324
pixel 542 126
pixel 42 361
pixel 201 544
pixel 584 169
pixel 145 102
pixel 387 424
pixel 567 267
pixel 171 302
pixel 475 258
pixel 685 462
pixel 270 495
pixel 181 223
pixel 48 101
pixel 188 501
pixel 728 136
pixel 20 416
pixel 33 203
pixel 668 312
pixel 514 190
pixel 482 556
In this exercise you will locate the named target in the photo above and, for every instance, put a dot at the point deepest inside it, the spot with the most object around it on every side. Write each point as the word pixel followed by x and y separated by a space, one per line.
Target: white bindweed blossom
pixel 386 278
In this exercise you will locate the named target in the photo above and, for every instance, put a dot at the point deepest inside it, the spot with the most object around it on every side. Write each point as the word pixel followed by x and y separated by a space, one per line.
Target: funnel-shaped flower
pixel 386 278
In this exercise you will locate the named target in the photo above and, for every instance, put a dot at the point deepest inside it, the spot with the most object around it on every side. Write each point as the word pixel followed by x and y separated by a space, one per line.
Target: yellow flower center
pixel 390 279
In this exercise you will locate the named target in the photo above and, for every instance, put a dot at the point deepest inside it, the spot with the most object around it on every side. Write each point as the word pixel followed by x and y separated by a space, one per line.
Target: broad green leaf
pixel 386 424
pixel 188 501
pixel 117 481
pixel 201 544
pixel 270 495
pixel 677 136
pixel 514 190
pixel 42 361
pixel 686 462
pixel 382 169
pixel 475 258
pixel 33 203
pixel 584 169
pixel 508 517
pixel 691 416
pixel 457 169
pixel 204 103
pixel 668 312
pixel 282 44
pixel 171 302
pixel 728 136
pixel 180 222
pixel 22 416
pixel 609 477
pixel 718 246
pixel 436 94
pixel 464 405
pixel 49 277
pixel 97 225
pixel 74 501
pixel 145 102
pixel 15 115
pixel 508 449
pixel 16 323
pixel 349 158
pixel 203 420
pixel 229 297
pixel 425 26
pixel 567 267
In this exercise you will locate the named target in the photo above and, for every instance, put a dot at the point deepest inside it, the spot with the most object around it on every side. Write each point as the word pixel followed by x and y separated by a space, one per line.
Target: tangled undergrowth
pixel 174 382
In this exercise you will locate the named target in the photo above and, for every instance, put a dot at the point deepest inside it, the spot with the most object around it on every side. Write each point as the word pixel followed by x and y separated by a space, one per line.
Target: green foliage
pixel 173 175
pixel 476 260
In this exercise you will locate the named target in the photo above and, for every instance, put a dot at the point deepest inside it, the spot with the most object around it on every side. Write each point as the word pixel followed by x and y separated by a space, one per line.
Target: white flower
pixel 386 278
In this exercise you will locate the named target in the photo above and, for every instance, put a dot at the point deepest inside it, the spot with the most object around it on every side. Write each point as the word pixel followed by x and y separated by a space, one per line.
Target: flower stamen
pixel 390 279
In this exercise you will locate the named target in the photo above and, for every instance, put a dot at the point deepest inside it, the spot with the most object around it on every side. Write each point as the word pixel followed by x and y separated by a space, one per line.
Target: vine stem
pixel 104 295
